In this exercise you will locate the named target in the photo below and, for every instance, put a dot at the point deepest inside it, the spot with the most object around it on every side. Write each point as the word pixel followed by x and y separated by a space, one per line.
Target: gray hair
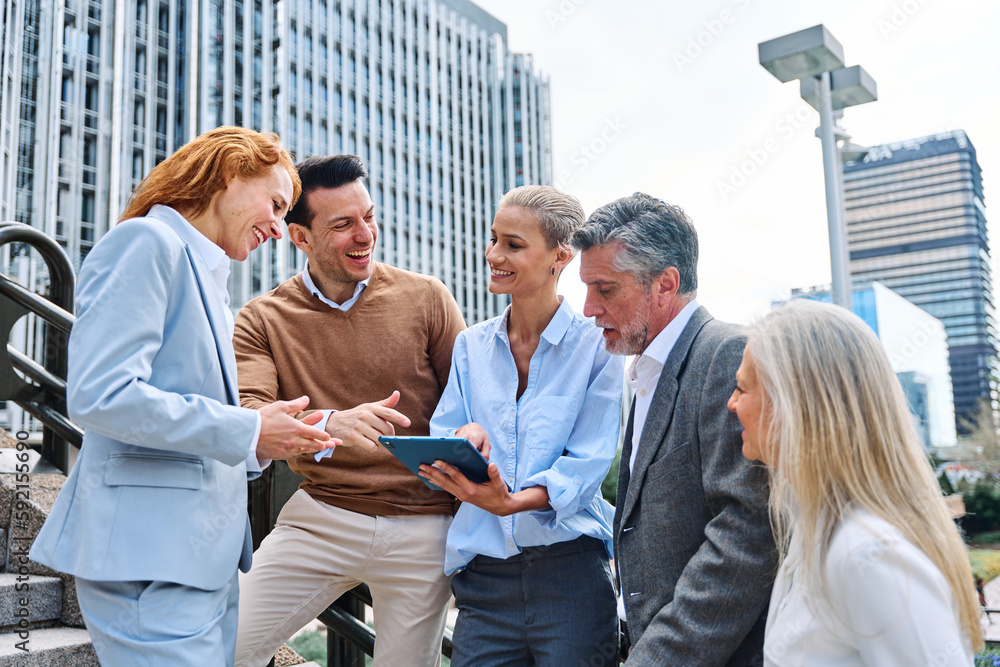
pixel 559 214
pixel 654 236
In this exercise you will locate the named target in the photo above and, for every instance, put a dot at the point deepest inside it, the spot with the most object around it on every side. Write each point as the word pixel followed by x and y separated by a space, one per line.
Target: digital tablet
pixel 412 451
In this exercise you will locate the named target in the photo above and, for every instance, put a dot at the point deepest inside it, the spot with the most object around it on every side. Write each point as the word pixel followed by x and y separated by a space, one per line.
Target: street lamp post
pixel 816 59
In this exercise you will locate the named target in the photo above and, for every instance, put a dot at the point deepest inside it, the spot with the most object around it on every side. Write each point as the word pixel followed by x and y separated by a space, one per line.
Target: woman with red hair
pixel 152 519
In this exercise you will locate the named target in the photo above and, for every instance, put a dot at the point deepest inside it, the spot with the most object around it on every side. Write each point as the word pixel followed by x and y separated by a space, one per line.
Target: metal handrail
pixel 36 372
pixel 41 306
pixel 46 399
pixel 345 621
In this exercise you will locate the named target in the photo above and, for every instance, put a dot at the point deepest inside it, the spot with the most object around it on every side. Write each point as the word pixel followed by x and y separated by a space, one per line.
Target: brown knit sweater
pixel 398 335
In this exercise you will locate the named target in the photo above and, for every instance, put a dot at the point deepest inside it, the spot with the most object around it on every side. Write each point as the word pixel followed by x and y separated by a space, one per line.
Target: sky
pixel 668 98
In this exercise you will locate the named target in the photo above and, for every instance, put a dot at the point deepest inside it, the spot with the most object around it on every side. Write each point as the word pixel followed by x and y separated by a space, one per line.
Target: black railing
pixel 44 397
pixel 349 639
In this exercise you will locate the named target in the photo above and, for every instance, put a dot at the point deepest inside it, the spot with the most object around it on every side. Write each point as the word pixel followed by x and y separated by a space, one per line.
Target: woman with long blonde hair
pixel 874 571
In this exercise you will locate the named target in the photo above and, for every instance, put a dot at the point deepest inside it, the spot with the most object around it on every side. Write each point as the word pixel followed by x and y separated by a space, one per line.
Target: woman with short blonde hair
pixel 536 392
pixel 874 570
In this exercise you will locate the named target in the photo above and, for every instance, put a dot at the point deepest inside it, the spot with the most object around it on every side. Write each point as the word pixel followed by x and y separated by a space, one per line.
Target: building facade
pixel 916 222
pixel 916 344
pixel 426 92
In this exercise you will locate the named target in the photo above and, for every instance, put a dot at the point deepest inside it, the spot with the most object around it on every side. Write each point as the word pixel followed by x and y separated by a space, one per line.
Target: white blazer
pixel 885 604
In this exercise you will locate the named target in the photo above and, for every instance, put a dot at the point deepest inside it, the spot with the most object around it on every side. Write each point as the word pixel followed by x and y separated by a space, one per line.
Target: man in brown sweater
pixel 372 345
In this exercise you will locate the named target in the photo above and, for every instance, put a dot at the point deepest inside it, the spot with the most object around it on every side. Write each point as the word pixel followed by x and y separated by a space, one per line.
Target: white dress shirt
pixel 311 286
pixel 643 376
pixel 644 373
pixel 885 604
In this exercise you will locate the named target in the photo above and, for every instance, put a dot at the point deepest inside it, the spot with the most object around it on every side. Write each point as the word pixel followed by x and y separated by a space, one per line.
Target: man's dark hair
pixel 654 235
pixel 323 171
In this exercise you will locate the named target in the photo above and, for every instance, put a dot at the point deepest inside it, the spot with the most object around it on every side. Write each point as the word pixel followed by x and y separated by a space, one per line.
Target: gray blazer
pixel 693 543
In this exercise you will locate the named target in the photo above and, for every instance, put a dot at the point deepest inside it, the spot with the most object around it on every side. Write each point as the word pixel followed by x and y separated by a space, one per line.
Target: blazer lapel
pixel 624 473
pixel 661 410
pixel 213 310
pixel 217 321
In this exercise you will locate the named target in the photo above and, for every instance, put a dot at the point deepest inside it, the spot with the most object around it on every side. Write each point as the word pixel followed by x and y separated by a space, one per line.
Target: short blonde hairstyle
pixel 559 214
pixel 205 165
pixel 839 425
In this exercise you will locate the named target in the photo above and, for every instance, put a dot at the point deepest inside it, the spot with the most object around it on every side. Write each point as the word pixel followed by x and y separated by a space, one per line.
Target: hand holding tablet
pixel 412 451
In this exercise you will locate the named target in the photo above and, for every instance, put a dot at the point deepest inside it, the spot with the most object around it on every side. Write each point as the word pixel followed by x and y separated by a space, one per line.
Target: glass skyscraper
pixel 916 345
pixel 916 222
pixel 93 94
pixel 425 91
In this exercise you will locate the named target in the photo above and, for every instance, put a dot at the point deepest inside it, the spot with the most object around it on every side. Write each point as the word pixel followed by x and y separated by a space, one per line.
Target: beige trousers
pixel 317 552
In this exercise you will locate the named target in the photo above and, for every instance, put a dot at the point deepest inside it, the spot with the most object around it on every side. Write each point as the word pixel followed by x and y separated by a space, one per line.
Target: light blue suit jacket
pixel 159 489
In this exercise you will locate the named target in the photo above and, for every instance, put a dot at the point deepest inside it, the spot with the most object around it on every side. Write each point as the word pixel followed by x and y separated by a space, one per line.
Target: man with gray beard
pixel 693 544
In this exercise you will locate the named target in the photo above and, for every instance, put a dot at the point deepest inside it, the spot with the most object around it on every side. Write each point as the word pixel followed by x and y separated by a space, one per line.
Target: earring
pixel 553 270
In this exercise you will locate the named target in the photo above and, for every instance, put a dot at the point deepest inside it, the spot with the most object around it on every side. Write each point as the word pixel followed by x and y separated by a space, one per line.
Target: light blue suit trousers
pixel 160 624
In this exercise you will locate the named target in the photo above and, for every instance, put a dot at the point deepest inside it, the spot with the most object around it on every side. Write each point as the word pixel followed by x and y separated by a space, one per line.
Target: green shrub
pixel 609 487
pixel 989 657
pixel 989 537
pixel 985 563
pixel 982 506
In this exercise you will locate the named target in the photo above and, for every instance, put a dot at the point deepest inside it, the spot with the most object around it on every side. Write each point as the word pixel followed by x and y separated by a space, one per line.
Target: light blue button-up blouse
pixel 561 434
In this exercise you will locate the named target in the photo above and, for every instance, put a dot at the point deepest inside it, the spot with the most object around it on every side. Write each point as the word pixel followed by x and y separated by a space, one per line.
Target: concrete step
pixel 48 647
pixel 24 505
pixel 29 598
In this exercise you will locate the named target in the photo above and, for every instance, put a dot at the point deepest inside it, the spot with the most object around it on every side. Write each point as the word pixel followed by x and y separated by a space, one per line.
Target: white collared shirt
pixel 215 259
pixel 644 373
pixel 643 376
pixel 311 286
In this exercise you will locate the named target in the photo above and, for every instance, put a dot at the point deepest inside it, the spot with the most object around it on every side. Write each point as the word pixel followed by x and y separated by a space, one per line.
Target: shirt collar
pixel 311 287
pixel 660 347
pixel 554 330
pixel 214 256
pixel 209 251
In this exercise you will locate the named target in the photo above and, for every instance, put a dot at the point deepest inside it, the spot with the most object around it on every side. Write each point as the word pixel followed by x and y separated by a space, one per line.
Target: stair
pixel 29 601
pixel 48 647
pixel 40 621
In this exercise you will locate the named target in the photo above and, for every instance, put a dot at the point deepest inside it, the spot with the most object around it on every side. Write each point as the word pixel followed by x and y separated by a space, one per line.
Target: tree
pixel 980 448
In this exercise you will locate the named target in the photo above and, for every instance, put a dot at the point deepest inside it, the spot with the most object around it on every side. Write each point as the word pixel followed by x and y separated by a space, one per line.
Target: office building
pixel 425 91
pixel 916 345
pixel 916 222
